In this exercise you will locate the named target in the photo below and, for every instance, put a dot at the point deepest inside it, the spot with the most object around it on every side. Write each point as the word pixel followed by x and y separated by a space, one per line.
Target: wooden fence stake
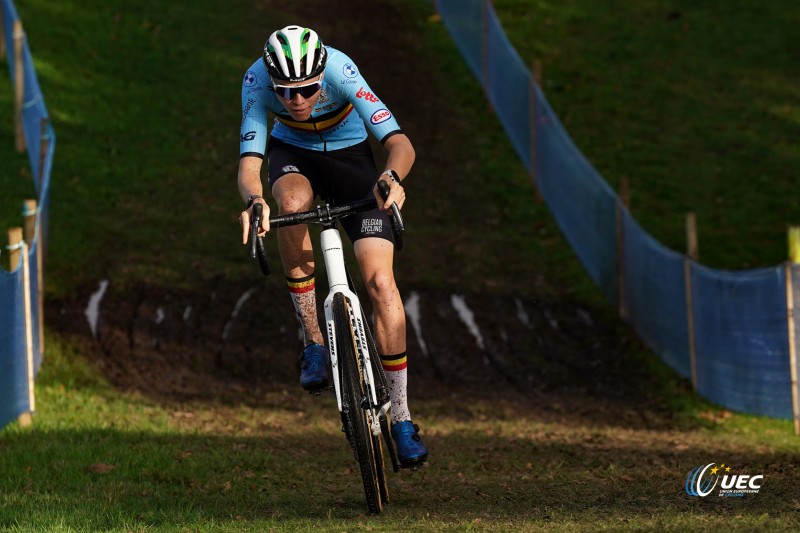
pixel 692 246
pixel 537 72
pixel 44 145
pixel 533 127
pixel 14 237
pixel 532 124
pixel 19 85
pixel 622 204
pixel 31 215
pixel 19 248
pixel 794 258
pixel 692 254
pixel 625 191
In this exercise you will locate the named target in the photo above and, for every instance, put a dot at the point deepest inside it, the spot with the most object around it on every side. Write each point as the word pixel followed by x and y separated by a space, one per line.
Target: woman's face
pixel 297 105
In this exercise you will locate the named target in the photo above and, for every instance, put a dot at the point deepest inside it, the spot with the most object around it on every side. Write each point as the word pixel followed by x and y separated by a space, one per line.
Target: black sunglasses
pixel 289 92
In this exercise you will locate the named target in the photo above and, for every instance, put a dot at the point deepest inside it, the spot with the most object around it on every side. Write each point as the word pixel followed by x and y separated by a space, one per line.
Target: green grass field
pixel 695 103
pixel 145 103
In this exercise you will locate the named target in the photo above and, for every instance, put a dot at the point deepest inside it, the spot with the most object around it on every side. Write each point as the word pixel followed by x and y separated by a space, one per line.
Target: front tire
pixel 353 394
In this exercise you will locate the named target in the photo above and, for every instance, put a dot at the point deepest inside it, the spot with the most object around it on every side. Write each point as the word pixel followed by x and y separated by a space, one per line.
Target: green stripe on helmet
pixel 287 51
pixel 304 43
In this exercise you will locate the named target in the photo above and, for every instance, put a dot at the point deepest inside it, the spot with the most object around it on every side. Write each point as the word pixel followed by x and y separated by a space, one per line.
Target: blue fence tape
pixel 14 393
pixel 739 318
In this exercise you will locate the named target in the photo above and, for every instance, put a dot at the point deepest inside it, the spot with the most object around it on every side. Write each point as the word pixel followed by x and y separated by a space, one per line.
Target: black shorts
pixel 338 177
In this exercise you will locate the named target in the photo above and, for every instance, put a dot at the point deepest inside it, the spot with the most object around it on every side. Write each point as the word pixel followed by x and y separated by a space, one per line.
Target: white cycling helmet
pixel 294 54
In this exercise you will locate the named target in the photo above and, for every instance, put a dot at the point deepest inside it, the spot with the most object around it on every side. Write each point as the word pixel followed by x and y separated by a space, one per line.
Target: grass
pixel 136 100
pixel 144 102
pixel 98 460
pixel 694 102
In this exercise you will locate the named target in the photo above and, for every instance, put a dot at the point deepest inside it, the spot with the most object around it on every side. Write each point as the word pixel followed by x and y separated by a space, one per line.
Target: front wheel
pixel 354 396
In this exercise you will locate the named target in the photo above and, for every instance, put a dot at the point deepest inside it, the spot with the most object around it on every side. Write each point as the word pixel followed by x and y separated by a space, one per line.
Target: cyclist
pixel 318 146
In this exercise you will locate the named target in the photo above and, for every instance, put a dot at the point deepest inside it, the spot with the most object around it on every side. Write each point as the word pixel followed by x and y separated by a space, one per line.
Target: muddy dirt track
pixel 227 344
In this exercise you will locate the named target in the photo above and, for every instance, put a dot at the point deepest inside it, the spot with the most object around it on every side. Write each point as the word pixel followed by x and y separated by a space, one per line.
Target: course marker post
pixel 30 214
pixel 623 203
pixel 692 254
pixel 19 85
pixel 18 246
pixel 794 258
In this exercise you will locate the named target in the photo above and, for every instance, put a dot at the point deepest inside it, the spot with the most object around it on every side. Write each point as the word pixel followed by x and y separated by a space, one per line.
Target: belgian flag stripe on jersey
pixel 319 124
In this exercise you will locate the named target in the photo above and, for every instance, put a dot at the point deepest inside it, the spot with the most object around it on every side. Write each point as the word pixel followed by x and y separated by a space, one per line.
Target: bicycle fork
pixel 338 283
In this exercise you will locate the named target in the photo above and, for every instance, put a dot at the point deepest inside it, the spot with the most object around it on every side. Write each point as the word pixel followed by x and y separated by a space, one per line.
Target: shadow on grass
pixel 105 478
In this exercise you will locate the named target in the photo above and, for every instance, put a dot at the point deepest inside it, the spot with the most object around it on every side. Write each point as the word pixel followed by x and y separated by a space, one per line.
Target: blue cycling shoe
pixel 314 368
pixel 410 450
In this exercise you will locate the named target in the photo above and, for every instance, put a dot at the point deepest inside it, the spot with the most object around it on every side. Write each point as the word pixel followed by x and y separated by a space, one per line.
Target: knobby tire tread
pixel 361 437
pixel 383 395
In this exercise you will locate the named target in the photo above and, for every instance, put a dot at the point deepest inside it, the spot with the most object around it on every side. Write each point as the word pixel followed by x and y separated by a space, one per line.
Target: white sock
pixel 305 307
pixel 395 367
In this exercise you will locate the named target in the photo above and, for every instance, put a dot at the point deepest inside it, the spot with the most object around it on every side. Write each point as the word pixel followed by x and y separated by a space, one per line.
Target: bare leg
pixel 375 257
pixel 293 193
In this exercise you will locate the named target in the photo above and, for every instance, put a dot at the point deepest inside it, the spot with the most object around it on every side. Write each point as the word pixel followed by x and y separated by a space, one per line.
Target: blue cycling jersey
pixel 332 126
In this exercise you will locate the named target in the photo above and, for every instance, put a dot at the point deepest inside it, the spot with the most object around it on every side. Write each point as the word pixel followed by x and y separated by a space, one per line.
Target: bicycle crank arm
pixel 387 438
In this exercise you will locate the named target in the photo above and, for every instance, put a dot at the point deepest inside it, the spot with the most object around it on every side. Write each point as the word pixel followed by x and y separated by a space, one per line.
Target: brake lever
pixel 258 214
pixel 396 218
pixel 256 242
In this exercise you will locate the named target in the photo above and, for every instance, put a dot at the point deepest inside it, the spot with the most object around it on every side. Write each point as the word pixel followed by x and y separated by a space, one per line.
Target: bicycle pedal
pixel 413 466
pixel 317 392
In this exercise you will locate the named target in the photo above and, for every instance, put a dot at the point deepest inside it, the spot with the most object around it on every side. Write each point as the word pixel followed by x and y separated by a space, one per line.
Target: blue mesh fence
pixel 33 267
pixel 654 295
pixel 739 319
pixel 15 396
pixel 583 204
pixel 741 339
pixel 509 80
pixel 13 358
pixel 464 21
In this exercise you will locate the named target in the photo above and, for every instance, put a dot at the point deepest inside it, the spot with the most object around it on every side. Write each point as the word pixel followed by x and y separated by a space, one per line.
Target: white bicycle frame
pixel 333 256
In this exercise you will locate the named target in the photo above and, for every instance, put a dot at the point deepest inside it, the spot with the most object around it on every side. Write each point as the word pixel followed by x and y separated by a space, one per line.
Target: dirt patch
pixel 236 343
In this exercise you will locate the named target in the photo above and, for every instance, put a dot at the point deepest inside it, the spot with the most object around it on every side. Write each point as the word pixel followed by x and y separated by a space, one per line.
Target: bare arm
pixel 401 158
pixel 249 184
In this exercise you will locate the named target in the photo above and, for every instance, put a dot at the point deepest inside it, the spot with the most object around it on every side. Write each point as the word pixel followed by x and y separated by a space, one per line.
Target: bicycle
pixel 359 382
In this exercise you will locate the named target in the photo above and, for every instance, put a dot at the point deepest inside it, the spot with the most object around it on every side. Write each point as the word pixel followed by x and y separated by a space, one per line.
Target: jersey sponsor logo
pixel 349 70
pixel 348 82
pixel 381 115
pixel 323 96
pixel 366 95
pixel 247 107
pixel 249 136
pixel 250 79
pixel 290 168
